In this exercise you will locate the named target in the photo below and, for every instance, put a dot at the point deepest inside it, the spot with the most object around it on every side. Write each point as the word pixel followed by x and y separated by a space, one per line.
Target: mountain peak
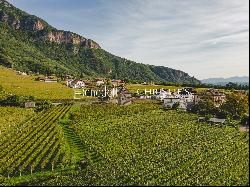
pixel 20 20
pixel 5 3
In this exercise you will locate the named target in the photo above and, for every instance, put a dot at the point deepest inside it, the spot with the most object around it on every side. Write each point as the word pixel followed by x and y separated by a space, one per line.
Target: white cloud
pixel 203 38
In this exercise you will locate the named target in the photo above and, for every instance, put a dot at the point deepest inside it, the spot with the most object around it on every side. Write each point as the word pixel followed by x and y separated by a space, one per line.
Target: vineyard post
pixel 112 92
pixel 116 91
pixel 42 166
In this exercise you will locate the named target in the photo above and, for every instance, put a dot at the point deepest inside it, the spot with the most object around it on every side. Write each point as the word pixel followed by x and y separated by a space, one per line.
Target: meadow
pixel 139 144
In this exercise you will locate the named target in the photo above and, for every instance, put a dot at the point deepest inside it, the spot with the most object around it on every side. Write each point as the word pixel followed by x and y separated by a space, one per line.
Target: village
pixel 183 99
pixel 116 92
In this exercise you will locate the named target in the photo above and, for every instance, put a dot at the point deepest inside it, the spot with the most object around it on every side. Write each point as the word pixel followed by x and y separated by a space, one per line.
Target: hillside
pixel 28 43
pixel 27 86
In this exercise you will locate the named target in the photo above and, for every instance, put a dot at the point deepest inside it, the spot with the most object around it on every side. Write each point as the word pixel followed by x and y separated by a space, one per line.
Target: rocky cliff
pixel 69 38
pixel 30 44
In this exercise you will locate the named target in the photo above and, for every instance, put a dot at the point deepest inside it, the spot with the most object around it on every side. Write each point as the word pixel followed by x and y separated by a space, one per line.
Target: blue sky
pixel 205 38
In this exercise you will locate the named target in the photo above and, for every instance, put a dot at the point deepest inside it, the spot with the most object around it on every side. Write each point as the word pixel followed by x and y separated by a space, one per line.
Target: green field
pixel 139 144
pixel 27 86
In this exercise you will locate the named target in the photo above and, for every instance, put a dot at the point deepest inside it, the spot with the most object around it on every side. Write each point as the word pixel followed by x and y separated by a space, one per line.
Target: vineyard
pixel 10 117
pixel 143 144
pixel 139 144
pixel 35 145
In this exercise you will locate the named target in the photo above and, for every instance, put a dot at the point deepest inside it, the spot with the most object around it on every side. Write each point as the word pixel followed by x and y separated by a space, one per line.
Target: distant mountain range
pixel 223 81
pixel 28 43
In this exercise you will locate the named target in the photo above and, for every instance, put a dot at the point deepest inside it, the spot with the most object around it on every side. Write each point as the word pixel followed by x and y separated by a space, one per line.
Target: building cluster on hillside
pixel 115 82
pixel 217 96
pixel 185 97
pixel 21 73
pixel 77 83
pixel 47 79
pixel 124 97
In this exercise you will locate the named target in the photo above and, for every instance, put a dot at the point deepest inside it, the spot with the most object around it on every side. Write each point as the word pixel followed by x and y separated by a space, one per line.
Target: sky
pixel 205 38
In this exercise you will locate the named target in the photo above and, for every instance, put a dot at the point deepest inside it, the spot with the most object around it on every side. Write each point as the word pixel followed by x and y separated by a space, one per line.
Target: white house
pixel 185 95
pixel 163 94
pixel 75 83
pixel 50 80
pixel 68 82
pixel 185 103
pixel 47 79
pixel 170 101
pixel 21 73
pixel 99 82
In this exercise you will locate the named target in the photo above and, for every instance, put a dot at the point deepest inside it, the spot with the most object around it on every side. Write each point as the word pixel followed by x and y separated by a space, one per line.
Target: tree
pixel 205 107
pixel 236 105
pixel 176 106
pixel 102 97
pixel 12 100
pixel 108 82
pixel 44 106
pixel 245 119
pixel 231 85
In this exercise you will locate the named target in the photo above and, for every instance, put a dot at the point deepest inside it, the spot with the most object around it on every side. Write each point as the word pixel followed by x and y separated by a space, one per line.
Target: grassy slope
pixel 26 85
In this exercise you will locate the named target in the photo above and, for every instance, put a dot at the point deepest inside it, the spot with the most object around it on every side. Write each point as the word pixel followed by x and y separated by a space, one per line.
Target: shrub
pixel 44 105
